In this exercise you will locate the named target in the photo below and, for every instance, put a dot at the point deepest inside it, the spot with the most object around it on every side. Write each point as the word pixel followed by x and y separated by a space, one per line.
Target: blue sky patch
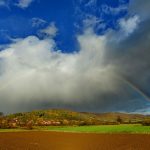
pixel 68 15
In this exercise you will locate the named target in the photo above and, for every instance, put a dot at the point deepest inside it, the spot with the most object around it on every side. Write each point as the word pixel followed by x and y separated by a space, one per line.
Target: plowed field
pixel 72 141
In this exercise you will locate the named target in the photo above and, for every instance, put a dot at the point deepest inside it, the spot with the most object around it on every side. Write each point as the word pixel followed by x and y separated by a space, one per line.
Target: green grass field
pixel 133 128
pixel 137 128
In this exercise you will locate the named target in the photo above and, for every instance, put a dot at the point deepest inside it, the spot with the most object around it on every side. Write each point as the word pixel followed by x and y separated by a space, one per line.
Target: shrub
pixel 146 122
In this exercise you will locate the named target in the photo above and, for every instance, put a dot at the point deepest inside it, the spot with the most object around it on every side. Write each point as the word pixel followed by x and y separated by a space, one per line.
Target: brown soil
pixel 72 141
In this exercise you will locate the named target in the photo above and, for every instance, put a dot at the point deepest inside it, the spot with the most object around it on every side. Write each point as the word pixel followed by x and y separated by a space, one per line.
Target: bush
pixel 146 122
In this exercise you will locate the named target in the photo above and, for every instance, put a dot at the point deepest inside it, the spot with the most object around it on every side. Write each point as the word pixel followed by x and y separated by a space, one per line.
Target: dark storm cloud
pixel 140 7
pixel 131 54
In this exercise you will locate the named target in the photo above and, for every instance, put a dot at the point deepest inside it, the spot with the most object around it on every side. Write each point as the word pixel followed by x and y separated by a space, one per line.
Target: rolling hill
pixel 69 117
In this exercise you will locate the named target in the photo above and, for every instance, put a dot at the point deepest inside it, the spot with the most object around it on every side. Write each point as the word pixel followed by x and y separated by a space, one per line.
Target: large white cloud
pixel 30 70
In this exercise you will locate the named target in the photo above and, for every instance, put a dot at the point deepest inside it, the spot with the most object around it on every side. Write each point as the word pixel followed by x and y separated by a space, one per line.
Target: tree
pixel 146 122
pixel 29 125
pixel 119 120
pixel 1 114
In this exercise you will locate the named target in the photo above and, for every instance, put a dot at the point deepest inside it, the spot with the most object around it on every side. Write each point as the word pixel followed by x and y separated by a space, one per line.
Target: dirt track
pixel 72 141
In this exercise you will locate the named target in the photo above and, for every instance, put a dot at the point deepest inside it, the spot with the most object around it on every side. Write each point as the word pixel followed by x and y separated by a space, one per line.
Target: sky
pixel 85 55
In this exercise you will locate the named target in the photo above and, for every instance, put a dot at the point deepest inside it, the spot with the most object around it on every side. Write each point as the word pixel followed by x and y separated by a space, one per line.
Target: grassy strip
pixel 101 129
pixel 13 130
pixel 91 129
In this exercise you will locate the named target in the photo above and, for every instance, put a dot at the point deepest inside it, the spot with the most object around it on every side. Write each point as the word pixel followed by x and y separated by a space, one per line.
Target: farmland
pixel 72 141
